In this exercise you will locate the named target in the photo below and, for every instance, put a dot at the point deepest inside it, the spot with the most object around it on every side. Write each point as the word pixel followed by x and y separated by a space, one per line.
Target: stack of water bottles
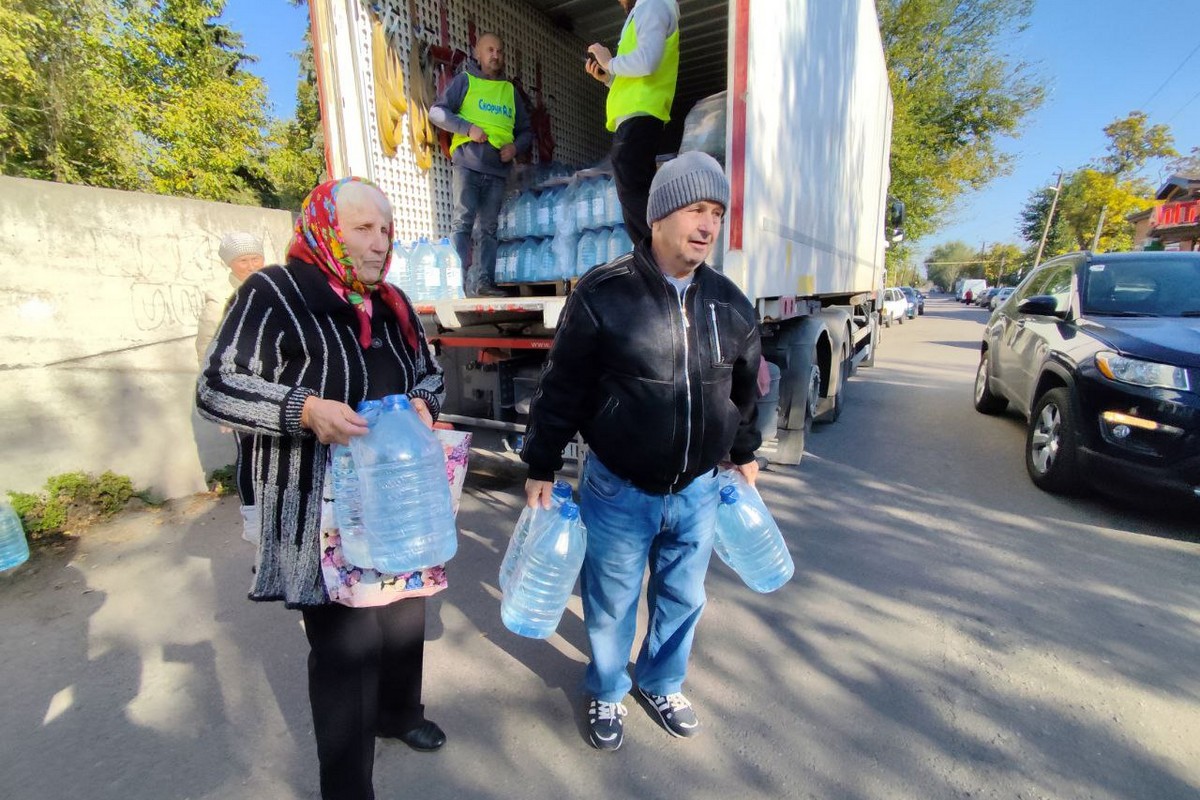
pixel 561 231
pixel 539 569
pixel 747 538
pixel 391 493
pixel 427 271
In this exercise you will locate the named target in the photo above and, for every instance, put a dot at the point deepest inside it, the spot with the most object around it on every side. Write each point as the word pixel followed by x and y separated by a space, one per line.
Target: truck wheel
pixel 876 338
pixel 835 412
pixel 985 401
pixel 790 447
pixel 1051 456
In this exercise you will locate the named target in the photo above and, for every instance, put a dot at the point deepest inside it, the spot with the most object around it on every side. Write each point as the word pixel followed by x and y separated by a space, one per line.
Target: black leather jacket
pixel 660 393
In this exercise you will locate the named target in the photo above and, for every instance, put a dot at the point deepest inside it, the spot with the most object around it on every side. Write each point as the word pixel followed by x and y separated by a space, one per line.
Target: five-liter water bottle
pixel 747 538
pixel 427 278
pixel 586 256
pixel 531 519
pixel 450 269
pixel 14 549
pixel 541 584
pixel 398 274
pixel 406 507
pixel 612 203
pixel 347 497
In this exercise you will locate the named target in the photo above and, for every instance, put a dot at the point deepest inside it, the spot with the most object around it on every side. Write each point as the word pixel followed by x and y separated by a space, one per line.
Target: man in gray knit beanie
pixel 655 361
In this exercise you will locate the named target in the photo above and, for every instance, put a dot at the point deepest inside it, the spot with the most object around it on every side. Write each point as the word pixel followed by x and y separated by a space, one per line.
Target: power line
pixel 1172 75
pixel 1182 107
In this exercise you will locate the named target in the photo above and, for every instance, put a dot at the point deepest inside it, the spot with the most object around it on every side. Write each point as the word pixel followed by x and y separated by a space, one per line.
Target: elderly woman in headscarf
pixel 300 346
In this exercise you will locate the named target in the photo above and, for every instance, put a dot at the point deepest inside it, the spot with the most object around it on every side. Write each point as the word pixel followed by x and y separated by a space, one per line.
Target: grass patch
pixel 71 501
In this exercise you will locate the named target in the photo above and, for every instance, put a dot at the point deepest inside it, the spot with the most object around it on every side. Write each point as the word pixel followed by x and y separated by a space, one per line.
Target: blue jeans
pixel 476 195
pixel 626 530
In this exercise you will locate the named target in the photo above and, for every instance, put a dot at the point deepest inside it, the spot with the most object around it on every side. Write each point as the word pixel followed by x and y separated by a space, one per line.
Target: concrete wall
pixel 99 296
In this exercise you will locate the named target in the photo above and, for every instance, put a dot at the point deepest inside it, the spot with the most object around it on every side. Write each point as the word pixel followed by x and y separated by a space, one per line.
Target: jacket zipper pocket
pixel 715 332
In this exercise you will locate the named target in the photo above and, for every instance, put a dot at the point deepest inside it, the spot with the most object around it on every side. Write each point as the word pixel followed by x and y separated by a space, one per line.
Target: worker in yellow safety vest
pixel 490 127
pixel 641 87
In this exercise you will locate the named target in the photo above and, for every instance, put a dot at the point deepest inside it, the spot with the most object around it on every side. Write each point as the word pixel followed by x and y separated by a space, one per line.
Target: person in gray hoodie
pixel 490 127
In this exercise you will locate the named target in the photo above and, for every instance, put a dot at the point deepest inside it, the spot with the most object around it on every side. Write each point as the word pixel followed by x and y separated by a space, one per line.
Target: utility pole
pixel 1049 220
pixel 1099 226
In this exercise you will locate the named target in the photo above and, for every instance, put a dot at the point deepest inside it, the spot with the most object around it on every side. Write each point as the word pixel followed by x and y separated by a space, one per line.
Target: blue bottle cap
pixel 569 510
pixel 729 495
pixel 397 401
pixel 562 489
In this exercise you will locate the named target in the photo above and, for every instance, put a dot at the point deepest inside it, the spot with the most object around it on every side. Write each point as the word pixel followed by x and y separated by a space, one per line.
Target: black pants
pixel 364 678
pixel 635 145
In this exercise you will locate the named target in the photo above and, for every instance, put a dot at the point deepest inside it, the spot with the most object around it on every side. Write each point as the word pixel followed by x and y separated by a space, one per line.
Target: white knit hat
pixel 238 244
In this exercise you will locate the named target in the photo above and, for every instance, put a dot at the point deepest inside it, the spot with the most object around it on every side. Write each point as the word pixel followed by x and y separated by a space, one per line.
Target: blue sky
pixel 1099 60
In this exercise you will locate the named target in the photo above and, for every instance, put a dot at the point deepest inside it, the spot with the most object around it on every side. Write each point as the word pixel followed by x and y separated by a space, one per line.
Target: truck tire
pixel 791 443
pixel 839 396
pixel 876 338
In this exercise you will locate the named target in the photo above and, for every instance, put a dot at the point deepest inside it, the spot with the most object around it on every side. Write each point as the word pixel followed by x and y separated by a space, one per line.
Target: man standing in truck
pixel 490 125
pixel 655 361
pixel 641 87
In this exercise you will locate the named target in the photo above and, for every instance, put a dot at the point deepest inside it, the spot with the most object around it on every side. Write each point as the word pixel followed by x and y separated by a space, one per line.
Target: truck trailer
pixel 803 109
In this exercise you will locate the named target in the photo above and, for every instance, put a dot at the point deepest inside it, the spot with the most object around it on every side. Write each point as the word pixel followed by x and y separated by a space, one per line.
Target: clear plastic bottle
pixel 603 238
pixel 545 212
pixel 14 548
pixel 541 584
pixel 531 519
pixel 426 276
pixel 585 257
pixel 612 203
pixel 584 195
pixel 599 216
pixel 406 507
pixel 347 499
pixel 619 243
pixel 747 538
pixel 526 215
pixel 450 269
pixel 565 249
pixel 545 261
pixel 398 272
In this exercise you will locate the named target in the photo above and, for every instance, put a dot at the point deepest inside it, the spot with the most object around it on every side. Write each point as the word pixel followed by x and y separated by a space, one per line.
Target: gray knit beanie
pixel 686 179
pixel 237 244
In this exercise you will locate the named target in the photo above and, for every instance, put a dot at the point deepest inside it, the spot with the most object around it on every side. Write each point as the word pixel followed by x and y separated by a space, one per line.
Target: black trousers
pixel 634 147
pixel 364 678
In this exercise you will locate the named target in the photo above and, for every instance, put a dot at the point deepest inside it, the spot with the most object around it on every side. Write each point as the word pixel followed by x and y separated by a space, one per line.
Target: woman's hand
pixel 422 409
pixel 331 421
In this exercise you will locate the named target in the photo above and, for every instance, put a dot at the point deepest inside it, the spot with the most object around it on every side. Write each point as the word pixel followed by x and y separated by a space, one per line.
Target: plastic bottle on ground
pixel 406 507
pixel 541 584
pixel 14 548
pixel 747 538
pixel 531 519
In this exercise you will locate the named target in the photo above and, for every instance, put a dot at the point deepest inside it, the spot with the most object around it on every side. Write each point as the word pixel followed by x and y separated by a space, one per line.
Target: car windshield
pixel 908 292
pixel 1152 287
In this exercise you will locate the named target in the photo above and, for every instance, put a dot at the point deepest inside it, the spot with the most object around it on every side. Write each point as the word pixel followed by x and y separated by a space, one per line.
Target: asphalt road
pixel 951 632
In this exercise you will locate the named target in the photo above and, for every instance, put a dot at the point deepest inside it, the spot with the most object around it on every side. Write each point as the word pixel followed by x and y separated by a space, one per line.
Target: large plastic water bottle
pixel 526 215
pixel 406 507
pixel 528 261
pixel 603 240
pixel 612 203
pixel 541 584
pixel 748 540
pixel 565 248
pixel 531 519
pixel 585 257
pixel 584 194
pixel 450 269
pixel 599 214
pixel 545 213
pixel 426 276
pixel 347 498
pixel 619 243
pixel 14 549
pixel 398 273
pixel 545 261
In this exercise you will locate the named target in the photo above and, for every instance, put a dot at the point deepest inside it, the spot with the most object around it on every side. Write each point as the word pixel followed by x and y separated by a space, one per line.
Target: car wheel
pixel 1051 448
pixel 985 401
pixel 900 318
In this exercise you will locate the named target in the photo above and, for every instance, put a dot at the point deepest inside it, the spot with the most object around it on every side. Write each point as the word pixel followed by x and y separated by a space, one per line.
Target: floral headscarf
pixel 318 241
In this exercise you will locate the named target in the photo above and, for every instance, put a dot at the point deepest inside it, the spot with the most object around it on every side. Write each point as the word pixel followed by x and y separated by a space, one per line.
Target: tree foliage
pixel 1102 194
pixel 152 95
pixel 955 96
pixel 951 260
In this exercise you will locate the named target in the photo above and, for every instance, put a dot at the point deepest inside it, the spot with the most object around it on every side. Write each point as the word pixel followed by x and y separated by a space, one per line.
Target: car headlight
pixel 1142 373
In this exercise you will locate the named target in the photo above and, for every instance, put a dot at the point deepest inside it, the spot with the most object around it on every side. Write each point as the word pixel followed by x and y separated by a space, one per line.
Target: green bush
pixel 72 499
pixel 223 480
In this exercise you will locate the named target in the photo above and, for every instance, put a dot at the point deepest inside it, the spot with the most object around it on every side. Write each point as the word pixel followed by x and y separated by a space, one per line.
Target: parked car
pixel 999 297
pixel 914 302
pixel 895 307
pixel 1099 353
pixel 985 296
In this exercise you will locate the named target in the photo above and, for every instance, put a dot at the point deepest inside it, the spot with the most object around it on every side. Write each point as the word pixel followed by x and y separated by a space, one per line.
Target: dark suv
pixel 1101 354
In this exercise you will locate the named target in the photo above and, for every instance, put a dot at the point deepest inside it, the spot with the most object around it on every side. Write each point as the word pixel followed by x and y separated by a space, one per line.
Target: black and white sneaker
pixel 606 728
pixel 674 712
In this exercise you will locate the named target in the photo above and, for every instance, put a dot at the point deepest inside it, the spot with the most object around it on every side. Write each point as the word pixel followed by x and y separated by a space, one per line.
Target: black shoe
pixel 487 290
pixel 674 712
pixel 425 738
pixel 606 729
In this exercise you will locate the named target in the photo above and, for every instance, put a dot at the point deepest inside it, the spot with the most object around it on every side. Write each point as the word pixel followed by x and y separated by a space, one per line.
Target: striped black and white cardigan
pixel 287 335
